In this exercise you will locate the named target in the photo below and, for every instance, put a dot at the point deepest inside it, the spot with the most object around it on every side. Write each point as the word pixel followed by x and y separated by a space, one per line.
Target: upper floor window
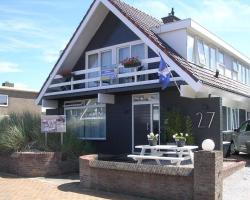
pixel 190 48
pixel 220 58
pixel 201 53
pixel 235 71
pixel 212 58
pixel 3 100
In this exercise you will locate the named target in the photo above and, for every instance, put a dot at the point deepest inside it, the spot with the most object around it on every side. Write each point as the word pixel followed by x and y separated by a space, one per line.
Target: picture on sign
pixel 108 73
pixel 53 124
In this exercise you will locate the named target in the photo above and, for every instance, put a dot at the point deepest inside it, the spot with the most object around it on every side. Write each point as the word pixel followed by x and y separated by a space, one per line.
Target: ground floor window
pixel 230 118
pixel 87 120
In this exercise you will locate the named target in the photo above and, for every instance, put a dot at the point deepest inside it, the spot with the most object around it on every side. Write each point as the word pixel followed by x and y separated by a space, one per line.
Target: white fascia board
pixel 201 31
pixel 67 51
pixel 196 86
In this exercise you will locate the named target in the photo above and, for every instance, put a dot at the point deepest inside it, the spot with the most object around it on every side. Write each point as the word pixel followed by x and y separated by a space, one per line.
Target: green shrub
pixel 22 132
pixel 176 122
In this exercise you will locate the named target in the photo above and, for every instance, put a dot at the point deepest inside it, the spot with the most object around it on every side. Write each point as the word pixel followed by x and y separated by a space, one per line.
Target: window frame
pixel 7 100
pixel 72 107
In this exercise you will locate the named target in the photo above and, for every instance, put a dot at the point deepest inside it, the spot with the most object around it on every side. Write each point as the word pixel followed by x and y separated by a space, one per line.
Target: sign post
pixel 53 124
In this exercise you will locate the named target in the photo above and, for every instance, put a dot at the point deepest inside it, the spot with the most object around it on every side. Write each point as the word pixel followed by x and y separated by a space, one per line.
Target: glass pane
pixel 224 115
pixel 138 51
pixel 201 53
pixel 243 74
pixel 123 54
pixel 235 66
pixel 93 63
pixel 221 57
pixel 88 122
pixel 190 48
pixel 3 100
pixel 212 58
pixel 206 49
pixel 239 72
pixel 106 59
pixel 156 118
pixel 229 126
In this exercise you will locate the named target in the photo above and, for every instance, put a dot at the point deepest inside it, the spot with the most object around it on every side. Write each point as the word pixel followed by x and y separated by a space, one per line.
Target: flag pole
pixel 169 70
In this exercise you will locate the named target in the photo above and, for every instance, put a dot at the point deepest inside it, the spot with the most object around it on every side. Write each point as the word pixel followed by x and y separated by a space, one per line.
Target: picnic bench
pixel 159 153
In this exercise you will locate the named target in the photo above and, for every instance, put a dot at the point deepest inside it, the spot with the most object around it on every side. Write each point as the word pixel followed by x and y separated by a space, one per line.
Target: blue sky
pixel 32 32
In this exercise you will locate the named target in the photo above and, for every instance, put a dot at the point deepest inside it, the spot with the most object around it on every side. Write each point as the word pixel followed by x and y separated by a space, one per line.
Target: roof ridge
pixel 138 10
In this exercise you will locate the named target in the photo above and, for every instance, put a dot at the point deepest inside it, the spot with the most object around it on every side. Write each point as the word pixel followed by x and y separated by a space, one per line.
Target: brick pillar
pixel 208 179
pixel 85 171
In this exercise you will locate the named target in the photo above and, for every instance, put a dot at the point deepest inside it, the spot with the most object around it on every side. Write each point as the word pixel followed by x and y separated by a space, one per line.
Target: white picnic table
pixel 157 153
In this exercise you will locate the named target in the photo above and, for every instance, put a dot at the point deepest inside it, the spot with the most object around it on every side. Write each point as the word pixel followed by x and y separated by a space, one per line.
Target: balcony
pixel 98 78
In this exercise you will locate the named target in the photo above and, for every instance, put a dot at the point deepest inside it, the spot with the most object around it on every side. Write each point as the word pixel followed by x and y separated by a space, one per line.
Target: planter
pixel 132 65
pixel 180 142
pixel 152 142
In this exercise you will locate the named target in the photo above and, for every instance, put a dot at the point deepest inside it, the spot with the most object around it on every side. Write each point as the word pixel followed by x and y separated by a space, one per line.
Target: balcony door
pixel 145 118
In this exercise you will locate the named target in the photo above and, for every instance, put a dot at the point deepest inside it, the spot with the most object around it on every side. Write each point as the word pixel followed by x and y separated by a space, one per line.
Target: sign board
pixel 106 98
pixel 53 124
pixel 108 74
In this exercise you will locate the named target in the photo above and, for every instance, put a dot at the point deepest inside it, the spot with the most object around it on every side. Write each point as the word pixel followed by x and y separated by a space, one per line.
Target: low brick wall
pixel 204 181
pixel 32 164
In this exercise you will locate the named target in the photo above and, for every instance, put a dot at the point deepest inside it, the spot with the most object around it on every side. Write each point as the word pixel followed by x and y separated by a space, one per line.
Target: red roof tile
pixel 146 23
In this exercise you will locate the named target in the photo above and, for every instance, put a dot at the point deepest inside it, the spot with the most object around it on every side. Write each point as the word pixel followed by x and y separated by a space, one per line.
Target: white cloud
pixel 8 67
pixel 50 56
pixel 21 85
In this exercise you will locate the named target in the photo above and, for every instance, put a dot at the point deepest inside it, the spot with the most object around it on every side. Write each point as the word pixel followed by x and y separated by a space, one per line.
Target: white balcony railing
pixel 92 79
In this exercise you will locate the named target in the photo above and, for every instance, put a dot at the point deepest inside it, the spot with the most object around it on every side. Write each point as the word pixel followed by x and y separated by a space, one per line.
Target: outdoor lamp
pixel 208 145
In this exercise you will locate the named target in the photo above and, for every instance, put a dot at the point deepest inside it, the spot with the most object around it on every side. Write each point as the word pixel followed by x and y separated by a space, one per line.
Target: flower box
pixel 131 62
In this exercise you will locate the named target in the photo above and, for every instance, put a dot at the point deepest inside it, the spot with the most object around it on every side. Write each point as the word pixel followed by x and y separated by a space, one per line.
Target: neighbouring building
pixel 13 100
pixel 115 106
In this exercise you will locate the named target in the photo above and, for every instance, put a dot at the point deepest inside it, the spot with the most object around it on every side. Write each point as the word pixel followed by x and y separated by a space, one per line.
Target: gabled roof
pixel 148 23
pixel 143 24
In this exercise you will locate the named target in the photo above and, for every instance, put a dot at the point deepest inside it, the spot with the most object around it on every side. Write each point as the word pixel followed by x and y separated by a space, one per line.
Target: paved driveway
pixel 14 188
pixel 237 186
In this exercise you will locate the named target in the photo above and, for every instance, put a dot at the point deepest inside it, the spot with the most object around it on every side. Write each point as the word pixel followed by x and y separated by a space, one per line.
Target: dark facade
pixel 205 113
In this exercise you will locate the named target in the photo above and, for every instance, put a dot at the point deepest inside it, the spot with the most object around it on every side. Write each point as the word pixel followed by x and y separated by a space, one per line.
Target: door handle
pixel 148 128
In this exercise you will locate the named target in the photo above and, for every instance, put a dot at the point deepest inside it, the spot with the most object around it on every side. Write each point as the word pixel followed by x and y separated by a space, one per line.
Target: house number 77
pixel 211 114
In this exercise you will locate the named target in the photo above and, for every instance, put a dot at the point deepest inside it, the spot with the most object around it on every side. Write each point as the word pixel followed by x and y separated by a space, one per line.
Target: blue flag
pixel 164 74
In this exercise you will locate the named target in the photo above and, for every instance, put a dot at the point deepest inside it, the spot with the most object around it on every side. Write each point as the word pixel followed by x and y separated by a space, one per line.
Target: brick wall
pixel 31 164
pixel 204 181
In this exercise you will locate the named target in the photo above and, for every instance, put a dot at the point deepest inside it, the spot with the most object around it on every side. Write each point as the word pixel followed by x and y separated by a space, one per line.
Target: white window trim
pixel 4 95
pixel 88 106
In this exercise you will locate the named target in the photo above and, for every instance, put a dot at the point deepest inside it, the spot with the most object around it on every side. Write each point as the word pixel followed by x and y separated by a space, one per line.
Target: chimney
pixel 8 84
pixel 170 18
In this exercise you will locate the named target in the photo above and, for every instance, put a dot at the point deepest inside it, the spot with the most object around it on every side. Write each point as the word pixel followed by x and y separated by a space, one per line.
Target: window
pixel 220 58
pixel 201 53
pixel 235 71
pixel 106 59
pixel 93 63
pixel 206 50
pixel 212 58
pixel 243 74
pixel 230 118
pixel 190 48
pixel 3 100
pixel 87 121
pixel 138 51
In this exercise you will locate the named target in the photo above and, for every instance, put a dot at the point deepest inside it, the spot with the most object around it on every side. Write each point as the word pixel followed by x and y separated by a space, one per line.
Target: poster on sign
pixel 53 124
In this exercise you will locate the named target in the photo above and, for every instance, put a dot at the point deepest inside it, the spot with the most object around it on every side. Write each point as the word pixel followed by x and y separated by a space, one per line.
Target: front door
pixel 146 118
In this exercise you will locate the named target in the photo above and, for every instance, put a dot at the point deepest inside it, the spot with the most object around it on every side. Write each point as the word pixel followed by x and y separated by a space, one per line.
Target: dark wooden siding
pixel 112 31
pixel 118 127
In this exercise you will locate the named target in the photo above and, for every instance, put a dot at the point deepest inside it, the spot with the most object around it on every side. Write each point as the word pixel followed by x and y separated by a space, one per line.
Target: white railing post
pixel 72 83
